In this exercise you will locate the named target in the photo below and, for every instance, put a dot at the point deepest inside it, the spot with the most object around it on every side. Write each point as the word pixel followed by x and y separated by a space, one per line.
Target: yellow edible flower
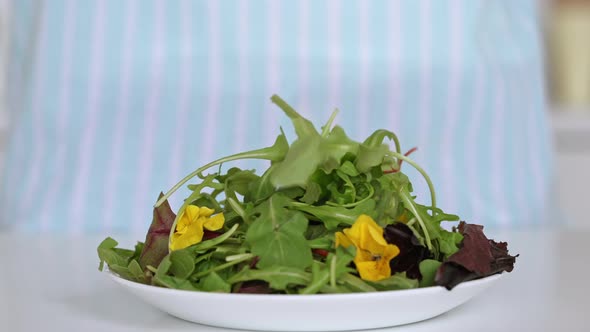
pixel 373 253
pixel 189 229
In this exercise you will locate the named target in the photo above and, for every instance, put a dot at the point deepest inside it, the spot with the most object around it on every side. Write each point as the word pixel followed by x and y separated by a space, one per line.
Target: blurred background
pixel 566 34
pixel 567 31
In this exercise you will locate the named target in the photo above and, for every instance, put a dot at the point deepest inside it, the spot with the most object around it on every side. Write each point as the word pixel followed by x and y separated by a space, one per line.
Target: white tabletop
pixel 51 283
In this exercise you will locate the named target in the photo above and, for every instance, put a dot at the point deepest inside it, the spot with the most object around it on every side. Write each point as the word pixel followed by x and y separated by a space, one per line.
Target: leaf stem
pixel 410 205
pixel 333 271
pixel 238 257
pixel 353 204
pixel 264 153
pixel 237 207
pixel 328 125
pixel 245 257
pixel 421 170
pixel 316 285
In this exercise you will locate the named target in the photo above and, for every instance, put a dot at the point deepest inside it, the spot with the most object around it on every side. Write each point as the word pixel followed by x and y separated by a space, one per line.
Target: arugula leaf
pixel 107 254
pixel 121 261
pixel 356 284
pixel 319 279
pixel 373 151
pixel 337 146
pixel 206 245
pixel 428 268
pixel 348 195
pixel 183 263
pixel 162 278
pixel 337 265
pixel 318 237
pixel 303 127
pixel 156 239
pixel 387 196
pixel 447 242
pixel 349 169
pixel 300 162
pixel 309 151
pixel 276 236
pixel 274 153
pixel 136 271
pixel 237 180
pixel 313 193
pixel 395 282
pixel 278 277
pixel 333 216
pixel 137 250
pixel 175 283
pixel 214 283
pixel 326 242
pixel 262 188
pixel 122 271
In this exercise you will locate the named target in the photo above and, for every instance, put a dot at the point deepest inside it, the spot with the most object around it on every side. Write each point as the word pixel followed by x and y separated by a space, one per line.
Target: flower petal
pixel 193 234
pixel 373 271
pixel 363 256
pixel 188 216
pixel 390 252
pixel 214 223
pixel 342 240
pixel 205 211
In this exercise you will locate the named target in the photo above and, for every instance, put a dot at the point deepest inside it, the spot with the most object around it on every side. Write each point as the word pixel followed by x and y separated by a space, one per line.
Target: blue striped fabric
pixel 112 102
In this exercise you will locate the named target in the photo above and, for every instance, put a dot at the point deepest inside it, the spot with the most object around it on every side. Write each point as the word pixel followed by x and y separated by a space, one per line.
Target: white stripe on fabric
pixel 498 144
pixel 425 93
pixel 62 117
pixel 364 44
pixel 453 102
pixel 146 157
pixel 85 149
pixel 520 99
pixel 186 83
pixel 122 114
pixel 471 142
pixel 303 56
pixel 395 90
pixel 273 78
pixel 534 144
pixel 37 127
pixel 243 31
pixel 334 53
pixel 214 81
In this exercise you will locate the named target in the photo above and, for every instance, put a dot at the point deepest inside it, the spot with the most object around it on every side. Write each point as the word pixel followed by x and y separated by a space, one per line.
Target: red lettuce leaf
pixel 255 287
pixel 156 240
pixel 478 257
pixel 411 253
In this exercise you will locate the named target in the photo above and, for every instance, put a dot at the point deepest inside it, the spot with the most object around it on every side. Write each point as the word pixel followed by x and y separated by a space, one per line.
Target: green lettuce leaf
pixel 278 277
pixel 277 235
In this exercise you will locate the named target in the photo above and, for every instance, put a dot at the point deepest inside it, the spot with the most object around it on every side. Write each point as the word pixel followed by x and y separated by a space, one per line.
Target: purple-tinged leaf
pixel 411 253
pixel 478 257
pixel 156 240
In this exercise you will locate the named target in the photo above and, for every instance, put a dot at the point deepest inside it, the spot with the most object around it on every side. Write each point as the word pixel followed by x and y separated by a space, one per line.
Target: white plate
pixel 321 312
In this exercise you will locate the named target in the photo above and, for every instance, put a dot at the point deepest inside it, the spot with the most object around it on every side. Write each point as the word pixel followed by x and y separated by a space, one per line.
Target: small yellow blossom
pixel 189 229
pixel 373 253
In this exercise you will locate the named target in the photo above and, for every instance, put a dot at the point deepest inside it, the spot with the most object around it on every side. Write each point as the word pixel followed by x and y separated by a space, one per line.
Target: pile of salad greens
pixel 329 215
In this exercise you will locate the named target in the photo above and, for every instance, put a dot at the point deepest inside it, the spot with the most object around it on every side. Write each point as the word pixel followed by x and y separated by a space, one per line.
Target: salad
pixel 329 215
